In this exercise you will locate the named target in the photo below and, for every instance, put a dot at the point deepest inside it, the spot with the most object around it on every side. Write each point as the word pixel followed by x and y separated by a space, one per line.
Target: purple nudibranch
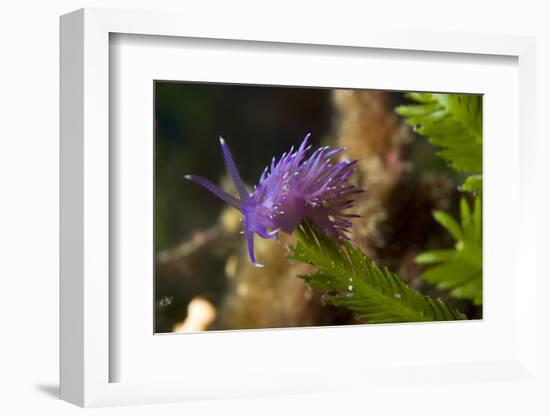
pixel 291 190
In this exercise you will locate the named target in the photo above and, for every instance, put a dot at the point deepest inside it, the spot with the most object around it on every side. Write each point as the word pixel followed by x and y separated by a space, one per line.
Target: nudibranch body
pixel 290 190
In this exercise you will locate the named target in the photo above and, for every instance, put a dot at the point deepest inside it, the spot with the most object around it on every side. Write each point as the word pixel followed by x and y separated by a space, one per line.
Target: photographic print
pixel 280 207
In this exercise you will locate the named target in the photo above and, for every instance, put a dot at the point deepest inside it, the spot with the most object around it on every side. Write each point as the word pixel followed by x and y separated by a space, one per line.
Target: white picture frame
pixel 87 356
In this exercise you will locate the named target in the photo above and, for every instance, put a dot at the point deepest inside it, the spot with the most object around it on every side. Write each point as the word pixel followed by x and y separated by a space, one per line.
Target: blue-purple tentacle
pixel 250 241
pixel 220 193
pixel 229 162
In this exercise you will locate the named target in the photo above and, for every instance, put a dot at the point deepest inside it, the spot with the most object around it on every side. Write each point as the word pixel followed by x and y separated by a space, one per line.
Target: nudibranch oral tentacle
pixel 290 190
pixel 220 193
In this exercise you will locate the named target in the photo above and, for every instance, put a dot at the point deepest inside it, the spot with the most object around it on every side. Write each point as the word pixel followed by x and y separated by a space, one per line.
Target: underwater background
pixel 203 278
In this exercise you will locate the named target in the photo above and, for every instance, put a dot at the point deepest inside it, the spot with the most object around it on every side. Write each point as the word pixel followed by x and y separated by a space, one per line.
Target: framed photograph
pixel 279 212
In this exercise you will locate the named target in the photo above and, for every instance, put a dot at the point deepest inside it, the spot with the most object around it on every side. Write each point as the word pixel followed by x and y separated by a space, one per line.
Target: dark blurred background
pixel 203 279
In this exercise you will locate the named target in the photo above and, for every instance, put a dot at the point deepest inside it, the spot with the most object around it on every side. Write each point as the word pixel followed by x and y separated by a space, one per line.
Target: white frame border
pixel 84 313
